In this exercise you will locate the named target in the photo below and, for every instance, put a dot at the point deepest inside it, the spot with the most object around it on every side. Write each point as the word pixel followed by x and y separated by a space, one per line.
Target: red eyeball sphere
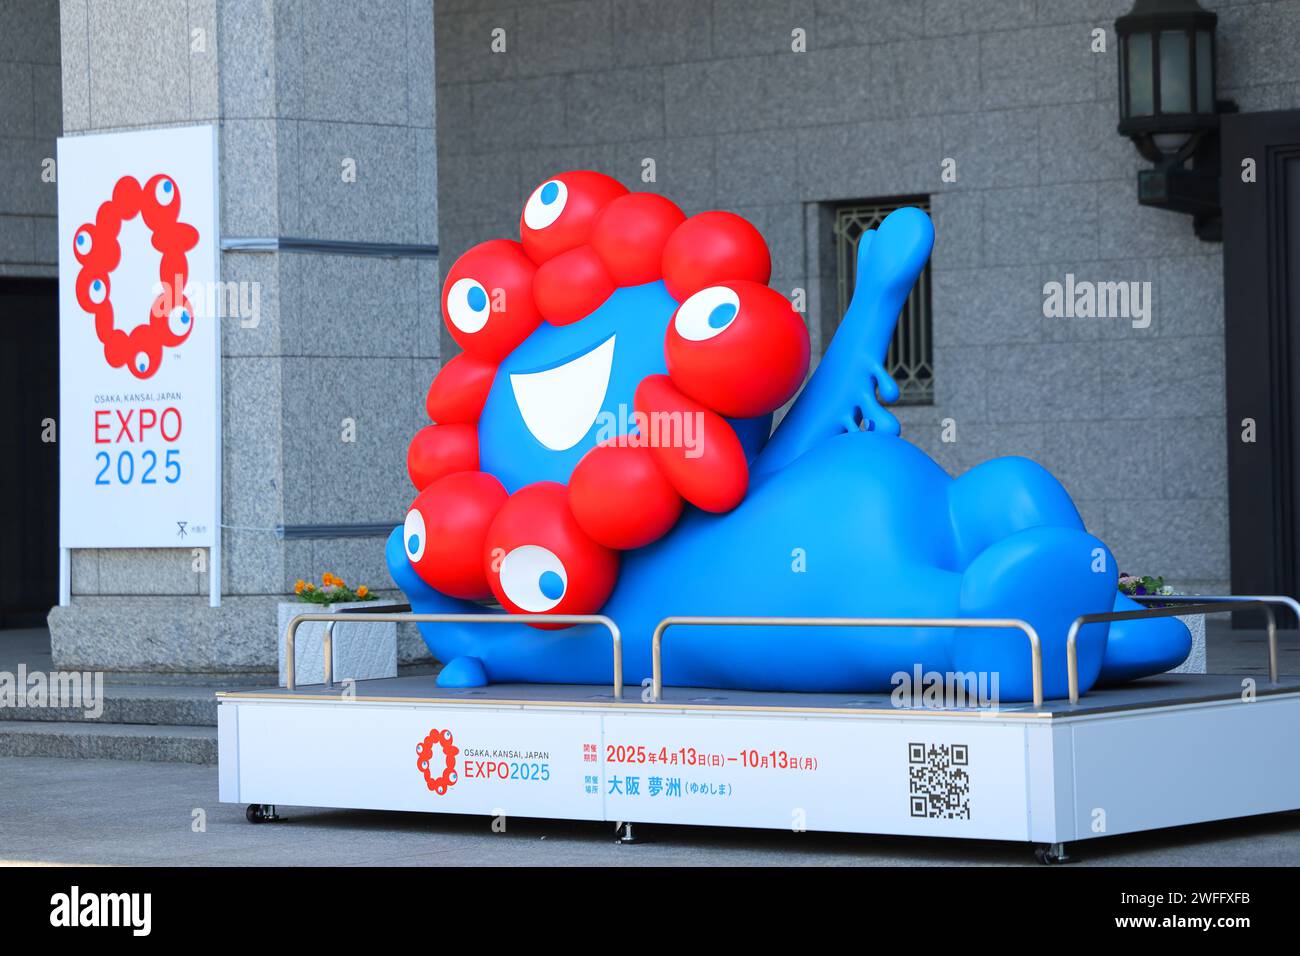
pixel 559 214
pixel 630 235
pixel 487 299
pixel 159 201
pixel 539 560
pixel 739 348
pixel 445 529
pixel 714 247
pixel 438 450
pixel 621 498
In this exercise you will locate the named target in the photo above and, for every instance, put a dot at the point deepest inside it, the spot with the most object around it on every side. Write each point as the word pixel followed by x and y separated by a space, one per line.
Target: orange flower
pixel 327 579
pixel 297 588
pixel 362 591
pixel 309 588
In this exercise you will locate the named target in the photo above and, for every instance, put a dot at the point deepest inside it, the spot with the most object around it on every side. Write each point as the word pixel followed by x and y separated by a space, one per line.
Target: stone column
pixel 29 122
pixel 325 112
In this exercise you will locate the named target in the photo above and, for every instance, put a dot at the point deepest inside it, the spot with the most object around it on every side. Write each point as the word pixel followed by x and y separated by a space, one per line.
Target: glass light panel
pixel 1141 96
pixel 1204 72
pixel 1175 72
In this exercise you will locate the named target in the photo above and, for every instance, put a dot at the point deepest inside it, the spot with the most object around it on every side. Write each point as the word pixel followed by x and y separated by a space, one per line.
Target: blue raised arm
pixel 842 393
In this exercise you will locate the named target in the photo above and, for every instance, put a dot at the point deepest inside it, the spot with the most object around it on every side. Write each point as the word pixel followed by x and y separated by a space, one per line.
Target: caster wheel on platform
pixel 261 813
pixel 1052 854
pixel 628 835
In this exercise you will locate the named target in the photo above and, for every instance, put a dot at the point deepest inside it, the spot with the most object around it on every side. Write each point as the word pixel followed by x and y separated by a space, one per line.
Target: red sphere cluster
pixel 438 765
pixel 733 349
pixel 96 248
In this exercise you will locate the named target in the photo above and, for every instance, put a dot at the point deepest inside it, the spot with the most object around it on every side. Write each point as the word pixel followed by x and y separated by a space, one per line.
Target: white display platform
pixel 1165 751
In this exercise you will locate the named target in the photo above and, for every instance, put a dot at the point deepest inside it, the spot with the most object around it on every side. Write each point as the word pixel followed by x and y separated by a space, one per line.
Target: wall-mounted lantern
pixel 1168 106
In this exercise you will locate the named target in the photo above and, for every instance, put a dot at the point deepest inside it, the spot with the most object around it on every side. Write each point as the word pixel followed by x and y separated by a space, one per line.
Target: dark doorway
pixel 1261 271
pixel 29 465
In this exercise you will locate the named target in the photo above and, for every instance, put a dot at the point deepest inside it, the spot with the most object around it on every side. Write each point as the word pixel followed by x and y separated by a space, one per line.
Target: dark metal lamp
pixel 1168 106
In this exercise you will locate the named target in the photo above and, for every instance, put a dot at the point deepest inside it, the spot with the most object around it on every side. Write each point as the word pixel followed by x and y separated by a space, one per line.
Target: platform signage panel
pixel 934 777
pixel 924 776
pixel 442 760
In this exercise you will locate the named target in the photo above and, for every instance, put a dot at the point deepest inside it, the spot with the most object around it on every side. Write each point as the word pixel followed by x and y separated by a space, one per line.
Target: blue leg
pixel 1142 648
pixel 463 672
pixel 1047 577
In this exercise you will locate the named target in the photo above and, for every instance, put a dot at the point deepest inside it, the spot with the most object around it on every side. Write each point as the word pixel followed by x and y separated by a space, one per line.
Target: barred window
pixel 911 351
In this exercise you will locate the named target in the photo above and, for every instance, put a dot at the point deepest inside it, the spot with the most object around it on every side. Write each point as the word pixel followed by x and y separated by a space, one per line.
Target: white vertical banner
pixel 140 303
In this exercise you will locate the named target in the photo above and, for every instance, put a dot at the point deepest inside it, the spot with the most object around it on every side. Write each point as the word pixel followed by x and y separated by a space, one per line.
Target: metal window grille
pixel 911 351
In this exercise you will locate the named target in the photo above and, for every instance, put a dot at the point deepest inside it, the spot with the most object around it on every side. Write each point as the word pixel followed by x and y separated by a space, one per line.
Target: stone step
pixel 101 741
pixel 172 705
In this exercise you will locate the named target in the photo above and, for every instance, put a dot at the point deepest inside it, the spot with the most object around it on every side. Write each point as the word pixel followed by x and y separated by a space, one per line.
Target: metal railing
pixel 656 642
pixel 1188 604
pixel 398 617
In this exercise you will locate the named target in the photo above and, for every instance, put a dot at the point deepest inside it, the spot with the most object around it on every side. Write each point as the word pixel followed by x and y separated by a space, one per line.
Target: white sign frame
pixel 170 495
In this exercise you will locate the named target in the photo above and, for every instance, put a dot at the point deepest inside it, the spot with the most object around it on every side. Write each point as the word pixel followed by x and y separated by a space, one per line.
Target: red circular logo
pixel 443 763
pixel 96 247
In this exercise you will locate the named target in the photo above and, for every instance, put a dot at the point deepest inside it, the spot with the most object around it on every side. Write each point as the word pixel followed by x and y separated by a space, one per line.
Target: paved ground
pixel 110 812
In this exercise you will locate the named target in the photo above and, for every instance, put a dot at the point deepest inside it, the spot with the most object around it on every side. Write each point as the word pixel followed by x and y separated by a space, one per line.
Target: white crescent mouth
pixel 559 405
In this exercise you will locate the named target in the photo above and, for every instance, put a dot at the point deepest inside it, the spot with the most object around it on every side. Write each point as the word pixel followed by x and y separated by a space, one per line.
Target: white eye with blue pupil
pixel 468 306
pixel 164 192
pixel 533 578
pixel 180 321
pixel 98 291
pixel 141 362
pixel 413 537
pixel 707 313
pixel 84 242
pixel 545 204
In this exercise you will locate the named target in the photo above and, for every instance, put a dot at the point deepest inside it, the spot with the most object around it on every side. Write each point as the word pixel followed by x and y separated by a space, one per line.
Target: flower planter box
pixel 363 650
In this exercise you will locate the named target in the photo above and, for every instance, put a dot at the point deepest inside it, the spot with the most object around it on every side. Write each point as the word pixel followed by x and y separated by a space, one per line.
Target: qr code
pixel 939 780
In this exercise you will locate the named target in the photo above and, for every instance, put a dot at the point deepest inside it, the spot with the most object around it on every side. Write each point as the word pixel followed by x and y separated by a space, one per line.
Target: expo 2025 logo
pixel 97 249
pixel 436 755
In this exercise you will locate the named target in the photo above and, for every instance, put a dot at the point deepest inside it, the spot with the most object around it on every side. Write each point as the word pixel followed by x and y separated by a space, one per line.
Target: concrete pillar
pixel 328 183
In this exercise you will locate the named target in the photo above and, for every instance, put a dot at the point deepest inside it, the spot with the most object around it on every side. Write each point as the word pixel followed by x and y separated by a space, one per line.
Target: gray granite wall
pixel 303 92
pixel 1132 420
pixel 29 123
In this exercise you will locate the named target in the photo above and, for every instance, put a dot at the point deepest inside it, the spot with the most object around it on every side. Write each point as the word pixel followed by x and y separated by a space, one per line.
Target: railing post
pixel 1179 605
